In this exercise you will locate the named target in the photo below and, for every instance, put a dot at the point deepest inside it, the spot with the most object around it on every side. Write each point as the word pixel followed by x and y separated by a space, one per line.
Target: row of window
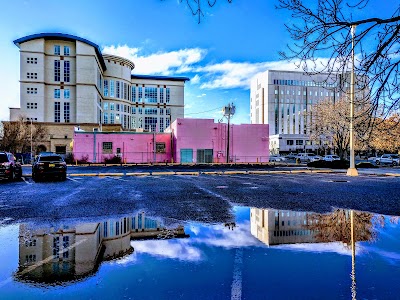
pixel 57 70
pixel 150 123
pixel 304 83
pixel 134 110
pixel 31 90
pixel 298 142
pixel 108 149
pixel 31 105
pixel 31 60
pixel 57 50
pixel 57 112
pixel 293 232
pixel 31 75
pixel 57 93
pixel 56 247
pixel 311 93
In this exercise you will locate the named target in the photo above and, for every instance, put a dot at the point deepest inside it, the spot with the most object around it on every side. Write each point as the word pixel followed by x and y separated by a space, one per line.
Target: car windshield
pixel 3 158
pixel 50 158
pixel 395 156
pixel 311 154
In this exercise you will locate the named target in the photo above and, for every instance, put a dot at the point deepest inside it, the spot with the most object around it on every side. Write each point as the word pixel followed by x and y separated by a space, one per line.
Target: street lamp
pixel 31 141
pixel 352 171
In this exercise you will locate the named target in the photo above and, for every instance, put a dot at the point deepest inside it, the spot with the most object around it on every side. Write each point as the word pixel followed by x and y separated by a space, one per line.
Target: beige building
pixel 65 79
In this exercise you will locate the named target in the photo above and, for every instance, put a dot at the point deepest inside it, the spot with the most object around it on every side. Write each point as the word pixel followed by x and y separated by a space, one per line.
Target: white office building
pixel 66 79
pixel 283 100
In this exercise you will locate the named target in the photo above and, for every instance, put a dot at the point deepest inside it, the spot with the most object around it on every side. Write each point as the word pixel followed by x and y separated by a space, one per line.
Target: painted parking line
pixel 138 174
pixel 72 179
pixel 83 174
pixel 111 174
pixel 162 173
pixel 115 178
pixel 188 173
pixel 26 181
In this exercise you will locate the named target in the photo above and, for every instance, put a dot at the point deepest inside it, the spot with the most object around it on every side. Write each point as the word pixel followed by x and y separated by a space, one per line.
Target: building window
pixel 105 92
pixel 150 95
pixel 289 142
pixel 31 105
pixel 57 93
pixel 160 147
pixel 125 91
pixel 161 124
pixel 56 247
pixel 57 49
pixel 57 112
pixel 66 70
pixel 112 106
pixel 66 94
pixel 66 112
pixel 140 110
pixel 31 90
pixel 299 142
pixel 66 50
pixel 105 105
pixel 161 111
pixel 107 147
pixel 31 60
pixel 133 94
pixel 31 75
pixel 168 111
pixel 65 246
pixel 105 119
pixel 140 94
pixel 150 123
pixel 150 111
pixel 167 122
pixel 57 72
pixel 161 95
pixel 112 88
pixel 118 90
pixel 112 118
pixel 168 95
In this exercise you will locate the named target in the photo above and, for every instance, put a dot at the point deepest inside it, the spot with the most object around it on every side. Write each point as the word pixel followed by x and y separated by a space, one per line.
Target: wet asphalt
pixel 205 198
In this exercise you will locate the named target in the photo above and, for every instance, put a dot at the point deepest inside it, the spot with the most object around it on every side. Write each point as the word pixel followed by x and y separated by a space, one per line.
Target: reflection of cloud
pixel 336 247
pixel 175 249
pixel 126 260
pixel 221 236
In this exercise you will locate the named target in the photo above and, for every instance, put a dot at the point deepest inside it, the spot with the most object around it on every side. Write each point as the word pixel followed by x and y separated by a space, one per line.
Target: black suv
pixel 9 167
pixel 49 164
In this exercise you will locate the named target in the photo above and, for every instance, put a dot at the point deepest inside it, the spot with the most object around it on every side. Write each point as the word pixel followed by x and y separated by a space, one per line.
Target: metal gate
pixel 204 156
pixel 186 155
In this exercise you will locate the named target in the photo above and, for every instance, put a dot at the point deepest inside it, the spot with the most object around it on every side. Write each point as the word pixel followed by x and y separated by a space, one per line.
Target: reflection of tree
pixel 336 226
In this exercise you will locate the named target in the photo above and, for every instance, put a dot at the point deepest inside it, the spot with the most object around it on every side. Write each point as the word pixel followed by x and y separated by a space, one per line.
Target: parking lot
pixel 208 198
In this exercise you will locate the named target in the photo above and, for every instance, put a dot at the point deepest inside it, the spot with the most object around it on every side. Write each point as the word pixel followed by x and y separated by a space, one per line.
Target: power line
pixel 202 112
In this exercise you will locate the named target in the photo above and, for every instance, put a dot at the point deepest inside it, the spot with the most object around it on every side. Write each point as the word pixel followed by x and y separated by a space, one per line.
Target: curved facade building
pixel 66 79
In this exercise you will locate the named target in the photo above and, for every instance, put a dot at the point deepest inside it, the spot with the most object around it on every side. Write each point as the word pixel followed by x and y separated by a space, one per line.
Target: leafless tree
pixel 321 29
pixel 16 135
pixel 197 6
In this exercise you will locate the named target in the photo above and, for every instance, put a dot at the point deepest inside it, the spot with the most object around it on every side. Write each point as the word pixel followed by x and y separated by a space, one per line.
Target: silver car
pixel 388 159
pixel 331 157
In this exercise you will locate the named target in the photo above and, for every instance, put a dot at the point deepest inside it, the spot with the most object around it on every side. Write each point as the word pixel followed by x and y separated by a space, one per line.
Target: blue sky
pixel 232 43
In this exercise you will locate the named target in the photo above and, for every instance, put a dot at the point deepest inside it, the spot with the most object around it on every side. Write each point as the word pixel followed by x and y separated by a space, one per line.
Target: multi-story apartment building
pixel 283 99
pixel 65 79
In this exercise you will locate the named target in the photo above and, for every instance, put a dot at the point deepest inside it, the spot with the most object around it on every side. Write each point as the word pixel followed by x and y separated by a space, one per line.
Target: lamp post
pixel 352 171
pixel 31 141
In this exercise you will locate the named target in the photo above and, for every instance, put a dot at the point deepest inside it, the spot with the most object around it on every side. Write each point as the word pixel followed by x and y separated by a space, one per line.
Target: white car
pixel 388 159
pixel 307 157
pixel 274 158
pixel 331 157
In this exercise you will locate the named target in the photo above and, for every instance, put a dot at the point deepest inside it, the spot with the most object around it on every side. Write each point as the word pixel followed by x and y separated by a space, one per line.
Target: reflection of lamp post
pixel 353 258
pixel 352 171
pixel 31 141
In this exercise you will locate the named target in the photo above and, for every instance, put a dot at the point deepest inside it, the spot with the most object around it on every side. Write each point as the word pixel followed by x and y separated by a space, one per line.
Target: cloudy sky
pixel 220 55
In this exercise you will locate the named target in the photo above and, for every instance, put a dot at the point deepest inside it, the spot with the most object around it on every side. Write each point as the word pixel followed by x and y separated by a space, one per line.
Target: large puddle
pixel 263 253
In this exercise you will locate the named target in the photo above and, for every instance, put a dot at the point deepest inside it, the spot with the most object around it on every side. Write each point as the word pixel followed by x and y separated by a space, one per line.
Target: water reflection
pixel 65 253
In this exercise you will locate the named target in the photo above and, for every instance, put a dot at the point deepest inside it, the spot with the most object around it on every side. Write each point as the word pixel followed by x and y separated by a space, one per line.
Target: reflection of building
pixel 68 253
pixel 274 227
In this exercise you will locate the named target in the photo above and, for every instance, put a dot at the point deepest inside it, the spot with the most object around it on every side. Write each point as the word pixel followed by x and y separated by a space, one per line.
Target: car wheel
pixel 64 177
pixel 377 162
pixel 394 164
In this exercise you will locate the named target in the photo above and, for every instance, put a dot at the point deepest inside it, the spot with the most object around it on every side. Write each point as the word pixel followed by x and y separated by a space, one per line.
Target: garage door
pixel 186 155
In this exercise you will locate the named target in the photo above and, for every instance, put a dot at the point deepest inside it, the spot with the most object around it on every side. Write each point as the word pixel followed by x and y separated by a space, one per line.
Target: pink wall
pixel 248 142
pixel 135 147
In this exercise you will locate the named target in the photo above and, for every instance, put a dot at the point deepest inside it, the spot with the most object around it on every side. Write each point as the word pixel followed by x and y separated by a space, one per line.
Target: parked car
pixel 10 168
pixel 291 156
pixel 274 158
pixel 307 157
pixel 49 165
pixel 331 157
pixel 388 159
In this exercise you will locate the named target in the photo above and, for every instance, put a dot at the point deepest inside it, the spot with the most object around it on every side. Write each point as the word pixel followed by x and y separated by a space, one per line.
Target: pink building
pixel 203 141
pixel 191 141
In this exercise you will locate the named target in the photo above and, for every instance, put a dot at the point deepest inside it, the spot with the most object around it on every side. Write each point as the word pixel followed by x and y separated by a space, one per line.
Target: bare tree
pixel 16 135
pixel 321 29
pixel 197 6
pixel 386 136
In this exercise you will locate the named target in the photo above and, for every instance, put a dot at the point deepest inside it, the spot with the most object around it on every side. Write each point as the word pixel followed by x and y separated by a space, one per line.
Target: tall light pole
pixel 228 112
pixel 352 171
pixel 31 141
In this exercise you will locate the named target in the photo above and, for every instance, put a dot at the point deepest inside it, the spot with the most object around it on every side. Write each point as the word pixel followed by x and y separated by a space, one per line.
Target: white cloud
pixel 174 249
pixel 195 79
pixel 201 96
pixel 164 63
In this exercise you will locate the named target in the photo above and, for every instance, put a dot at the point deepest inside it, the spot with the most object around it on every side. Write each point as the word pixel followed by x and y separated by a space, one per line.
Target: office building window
pixel 105 119
pixel 150 123
pixel 105 105
pixel 167 122
pixel 168 111
pixel 299 142
pixel 167 95
pixel 31 75
pixel 105 92
pixel 133 94
pixel 112 106
pixel 56 247
pixel 57 71
pixel 161 95
pixel 140 110
pixel 65 246
pixel 112 88
pixel 107 147
pixel 31 60
pixel 57 49
pixel 66 112
pixel 31 105
pixel 66 71
pixel 57 112
pixel 150 111
pixel 66 50
pixel 57 93
pixel 118 89
pixel 161 111
pixel 150 95
pixel 112 118
pixel 66 94
pixel 133 110
pixel 140 98
pixel 161 124
pixel 289 142
pixel 125 91
pixel 31 90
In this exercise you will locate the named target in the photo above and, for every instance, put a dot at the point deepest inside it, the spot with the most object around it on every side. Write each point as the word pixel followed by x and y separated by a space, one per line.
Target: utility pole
pixel 352 171
pixel 31 143
pixel 228 112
